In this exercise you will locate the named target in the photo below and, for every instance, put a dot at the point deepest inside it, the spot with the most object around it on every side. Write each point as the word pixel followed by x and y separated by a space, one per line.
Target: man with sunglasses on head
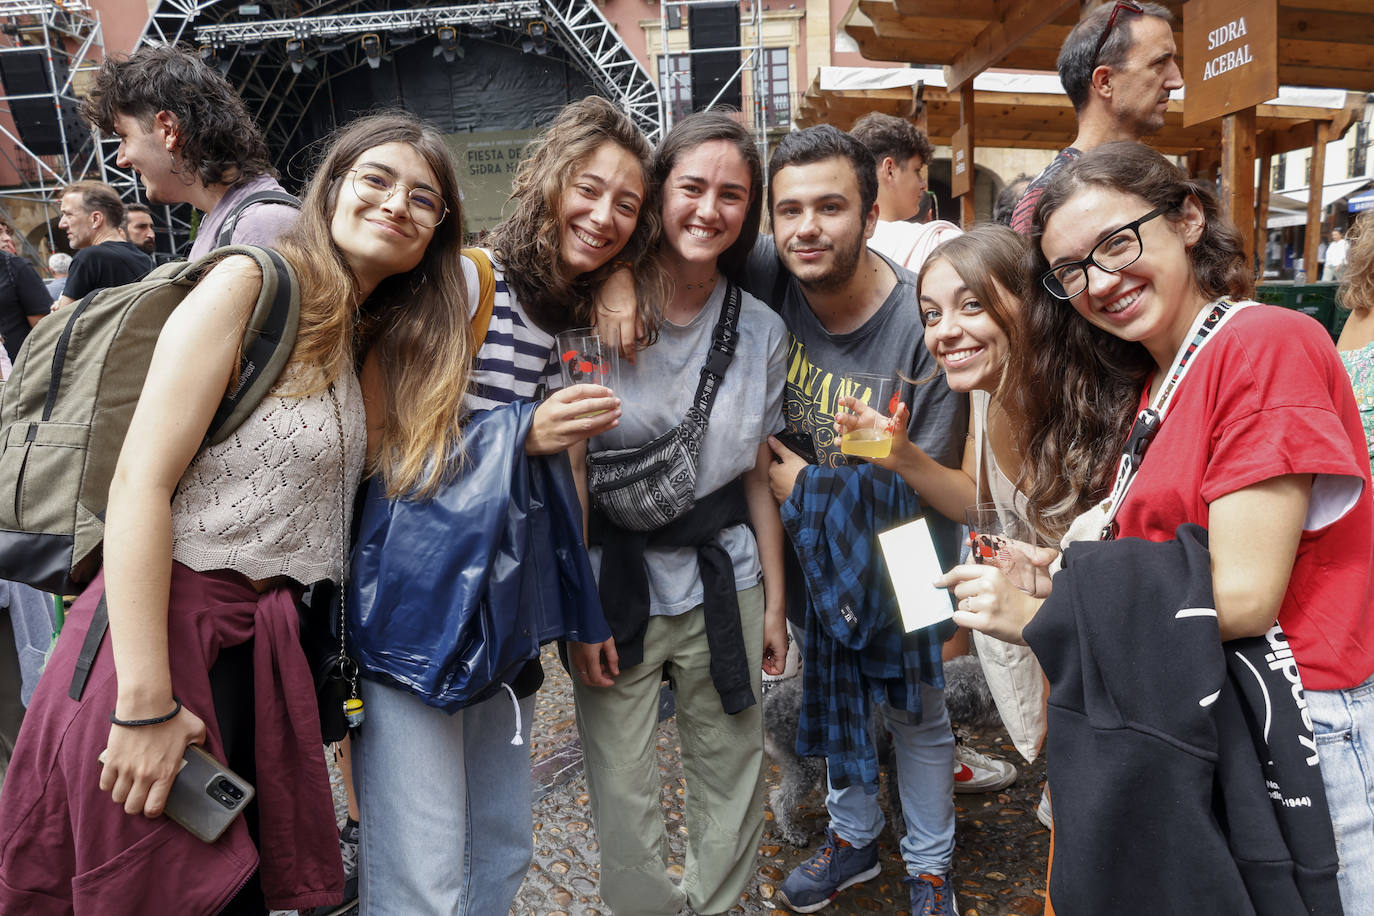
pixel 187 134
pixel 1117 66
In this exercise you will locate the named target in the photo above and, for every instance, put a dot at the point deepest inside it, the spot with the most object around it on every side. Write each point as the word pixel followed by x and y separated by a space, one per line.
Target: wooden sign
pixel 961 180
pixel 1230 56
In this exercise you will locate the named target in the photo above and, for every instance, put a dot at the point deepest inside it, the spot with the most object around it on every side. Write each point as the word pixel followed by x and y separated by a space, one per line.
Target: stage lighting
pixel 295 54
pixel 372 48
pixel 538 39
pixel 448 43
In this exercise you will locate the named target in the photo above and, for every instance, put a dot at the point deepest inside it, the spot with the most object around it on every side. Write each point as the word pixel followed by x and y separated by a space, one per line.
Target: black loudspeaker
pixel 715 25
pixel 25 72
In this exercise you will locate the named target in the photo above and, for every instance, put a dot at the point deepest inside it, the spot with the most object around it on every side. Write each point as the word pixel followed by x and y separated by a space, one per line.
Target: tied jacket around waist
pixel 1183 769
pixel 65 847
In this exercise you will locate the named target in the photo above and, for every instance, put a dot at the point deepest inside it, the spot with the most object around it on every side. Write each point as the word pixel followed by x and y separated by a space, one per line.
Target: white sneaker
pixel 975 772
pixel 1043 810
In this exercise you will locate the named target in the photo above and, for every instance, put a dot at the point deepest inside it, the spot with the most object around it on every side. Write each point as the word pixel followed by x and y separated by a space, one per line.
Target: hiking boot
pixel 977 772
pixel 835 866
pixel 931 895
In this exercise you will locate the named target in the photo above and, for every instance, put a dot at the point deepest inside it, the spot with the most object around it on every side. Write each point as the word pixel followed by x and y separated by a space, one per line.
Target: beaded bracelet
pixel 156 720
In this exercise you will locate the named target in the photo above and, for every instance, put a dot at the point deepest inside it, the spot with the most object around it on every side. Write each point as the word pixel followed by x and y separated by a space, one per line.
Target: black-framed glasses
pixel 1129 6
pixel 1116 252
pixel 374 186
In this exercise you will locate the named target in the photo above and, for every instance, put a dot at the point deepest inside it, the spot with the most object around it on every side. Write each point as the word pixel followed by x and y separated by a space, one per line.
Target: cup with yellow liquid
pixel 586 358
pixel 872 438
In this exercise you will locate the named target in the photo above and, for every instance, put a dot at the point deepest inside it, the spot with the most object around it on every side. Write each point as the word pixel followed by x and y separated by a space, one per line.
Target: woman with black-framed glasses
pixel 1260 444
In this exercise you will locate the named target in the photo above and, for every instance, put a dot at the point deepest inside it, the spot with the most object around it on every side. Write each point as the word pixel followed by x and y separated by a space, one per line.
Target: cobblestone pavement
pixel 999 858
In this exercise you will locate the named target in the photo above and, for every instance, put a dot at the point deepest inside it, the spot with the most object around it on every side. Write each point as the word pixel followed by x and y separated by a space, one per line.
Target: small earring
pixel 417 280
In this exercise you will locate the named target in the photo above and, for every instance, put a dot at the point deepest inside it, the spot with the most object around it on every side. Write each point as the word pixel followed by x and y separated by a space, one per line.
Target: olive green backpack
pixel 68 402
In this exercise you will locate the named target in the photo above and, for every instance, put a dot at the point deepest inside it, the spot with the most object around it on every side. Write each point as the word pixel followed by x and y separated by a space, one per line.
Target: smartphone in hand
pixel 207 795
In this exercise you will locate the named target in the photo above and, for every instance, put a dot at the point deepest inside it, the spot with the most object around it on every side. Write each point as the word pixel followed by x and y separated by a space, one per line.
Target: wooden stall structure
pixel 1319 43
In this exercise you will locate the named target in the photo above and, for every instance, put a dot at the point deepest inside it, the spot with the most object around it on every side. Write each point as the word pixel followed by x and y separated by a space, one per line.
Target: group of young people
pixel 1061 339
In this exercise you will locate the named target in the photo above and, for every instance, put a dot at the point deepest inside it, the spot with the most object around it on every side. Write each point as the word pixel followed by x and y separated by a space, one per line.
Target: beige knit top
pixel 266 501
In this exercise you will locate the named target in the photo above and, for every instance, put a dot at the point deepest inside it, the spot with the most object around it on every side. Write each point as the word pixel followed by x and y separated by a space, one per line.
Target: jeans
pixel 1343 721
pixel 925 780
pixel 445 805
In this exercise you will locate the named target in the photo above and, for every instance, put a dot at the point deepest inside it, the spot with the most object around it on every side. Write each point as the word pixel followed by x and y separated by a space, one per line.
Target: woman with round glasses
pixel 208 547
pixel 1261 445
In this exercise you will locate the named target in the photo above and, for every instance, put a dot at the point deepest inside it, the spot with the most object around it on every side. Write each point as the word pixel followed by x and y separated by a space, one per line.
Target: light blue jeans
pixel 445 804
pixel 1343 721
pixel 925 781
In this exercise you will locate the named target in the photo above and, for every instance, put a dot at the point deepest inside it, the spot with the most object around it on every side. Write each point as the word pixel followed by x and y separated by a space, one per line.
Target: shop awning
pixel 1359 202
pixel 1331 193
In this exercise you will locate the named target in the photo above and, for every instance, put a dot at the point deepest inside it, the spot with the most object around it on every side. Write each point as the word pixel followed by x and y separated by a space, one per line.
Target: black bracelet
pixel 156 720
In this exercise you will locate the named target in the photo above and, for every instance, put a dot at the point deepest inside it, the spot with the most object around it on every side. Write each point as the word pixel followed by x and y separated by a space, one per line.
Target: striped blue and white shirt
pixel 515 356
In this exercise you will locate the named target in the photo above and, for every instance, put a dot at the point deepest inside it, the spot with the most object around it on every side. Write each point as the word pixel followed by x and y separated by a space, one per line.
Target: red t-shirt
pixel 1268 396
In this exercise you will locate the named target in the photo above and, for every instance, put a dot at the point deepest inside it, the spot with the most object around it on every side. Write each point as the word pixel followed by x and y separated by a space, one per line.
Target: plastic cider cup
pixel 586 358
pixel 873 439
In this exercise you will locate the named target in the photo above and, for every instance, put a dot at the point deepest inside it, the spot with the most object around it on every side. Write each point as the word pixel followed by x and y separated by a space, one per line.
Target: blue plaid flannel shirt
pixel 855 651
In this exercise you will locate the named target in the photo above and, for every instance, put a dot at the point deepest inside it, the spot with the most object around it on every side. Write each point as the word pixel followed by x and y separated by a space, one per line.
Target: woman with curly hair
pixel 187 134
pixel 1258 443
pixel 208 547
pixel 1357 337
pixel 460 843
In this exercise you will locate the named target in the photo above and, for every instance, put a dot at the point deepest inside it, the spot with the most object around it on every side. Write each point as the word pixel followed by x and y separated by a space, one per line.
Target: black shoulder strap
pixel 226 230
pixel 722 352
pixel 100 622
pixel 267 342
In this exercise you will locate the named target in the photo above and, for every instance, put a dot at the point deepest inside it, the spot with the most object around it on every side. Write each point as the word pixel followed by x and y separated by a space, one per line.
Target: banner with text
pixel 487 162
pixel 1230 56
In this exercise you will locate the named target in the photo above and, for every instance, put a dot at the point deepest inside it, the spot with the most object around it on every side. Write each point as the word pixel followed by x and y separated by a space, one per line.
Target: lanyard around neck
pixel 1149 420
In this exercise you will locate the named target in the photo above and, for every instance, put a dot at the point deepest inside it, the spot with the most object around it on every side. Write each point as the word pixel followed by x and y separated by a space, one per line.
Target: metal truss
pixel 594 43
pixel 577 25
pixel 502 12
pixel 253 54
pixel 752 60
pixel 66 32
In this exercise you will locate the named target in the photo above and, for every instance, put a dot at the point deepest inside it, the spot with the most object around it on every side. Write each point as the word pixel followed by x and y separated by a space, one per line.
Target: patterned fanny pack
pixel 647 487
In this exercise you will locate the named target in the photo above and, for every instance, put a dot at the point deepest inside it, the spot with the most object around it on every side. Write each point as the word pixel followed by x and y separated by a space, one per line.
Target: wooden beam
pixel 1017 23
pixel 1002 36
pixel 1262 204
pixel 1238 174
pixel 920 111
pixel 1314 203
pixel 966 119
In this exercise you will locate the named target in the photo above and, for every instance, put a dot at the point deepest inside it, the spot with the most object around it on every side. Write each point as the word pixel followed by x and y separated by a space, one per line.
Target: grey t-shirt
pixel 891 341
pixel 655 393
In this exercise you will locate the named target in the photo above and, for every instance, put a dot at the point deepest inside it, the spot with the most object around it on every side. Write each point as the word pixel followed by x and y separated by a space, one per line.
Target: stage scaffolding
pixel 64 40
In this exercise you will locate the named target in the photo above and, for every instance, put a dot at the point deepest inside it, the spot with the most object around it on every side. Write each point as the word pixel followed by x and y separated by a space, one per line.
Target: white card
pixel 912 565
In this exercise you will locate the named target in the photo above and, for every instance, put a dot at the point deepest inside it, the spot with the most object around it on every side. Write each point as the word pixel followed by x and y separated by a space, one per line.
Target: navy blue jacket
pixel 450 596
